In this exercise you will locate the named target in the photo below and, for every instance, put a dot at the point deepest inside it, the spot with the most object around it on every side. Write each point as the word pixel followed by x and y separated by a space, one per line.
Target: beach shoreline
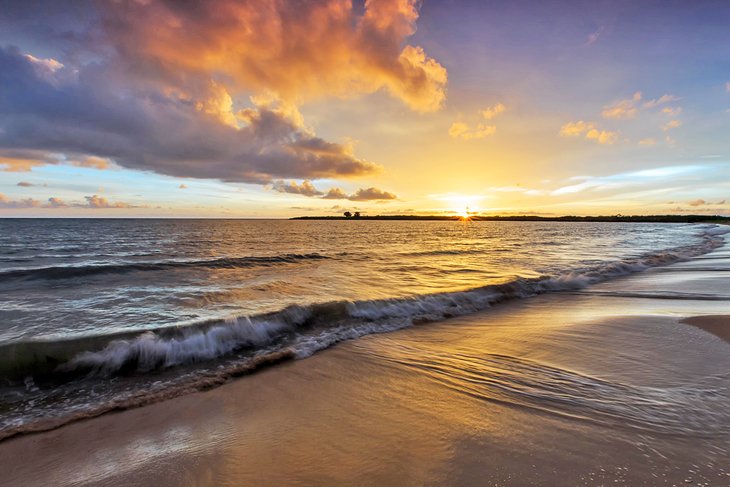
pixel 555 389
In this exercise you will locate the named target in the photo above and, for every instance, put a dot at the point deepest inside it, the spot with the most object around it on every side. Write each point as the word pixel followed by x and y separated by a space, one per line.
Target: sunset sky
pixel 248 108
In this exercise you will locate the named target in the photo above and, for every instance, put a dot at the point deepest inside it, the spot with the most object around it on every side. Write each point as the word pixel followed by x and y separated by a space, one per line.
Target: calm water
pixel 97 314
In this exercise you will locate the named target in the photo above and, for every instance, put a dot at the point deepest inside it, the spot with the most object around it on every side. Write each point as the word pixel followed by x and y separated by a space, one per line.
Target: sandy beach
pixel 717 325
pixel 606 386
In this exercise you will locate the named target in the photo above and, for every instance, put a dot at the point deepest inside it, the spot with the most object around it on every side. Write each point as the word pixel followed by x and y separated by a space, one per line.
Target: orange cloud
pixel 602 136
pixel 623 108
pixel 672 124
pixel 493 111
pixel 12 164
pixel 591 132
pixel 92 162
pixel 294 50
pixel 672 111
pixel 460 130
pixel 572 129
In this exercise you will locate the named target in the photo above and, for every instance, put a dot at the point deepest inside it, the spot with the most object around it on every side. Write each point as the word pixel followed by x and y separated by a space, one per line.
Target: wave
pixel 306 329
pixel 51 380
pixel 697 409
pixel 72 271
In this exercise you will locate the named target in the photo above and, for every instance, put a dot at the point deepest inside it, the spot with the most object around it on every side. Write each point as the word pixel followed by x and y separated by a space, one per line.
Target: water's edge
pixel 247 343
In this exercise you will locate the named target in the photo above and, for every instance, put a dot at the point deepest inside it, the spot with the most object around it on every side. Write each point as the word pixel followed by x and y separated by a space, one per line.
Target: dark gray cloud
pixel 371 194
pixel 335 194
pixel 306 188
pixel 87 116
pixel 150 85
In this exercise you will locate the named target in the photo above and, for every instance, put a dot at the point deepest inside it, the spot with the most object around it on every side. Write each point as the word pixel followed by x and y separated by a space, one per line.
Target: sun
pixel 464 214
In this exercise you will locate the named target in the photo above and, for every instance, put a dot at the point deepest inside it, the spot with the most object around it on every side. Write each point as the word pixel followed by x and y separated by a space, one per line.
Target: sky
pixel 281 108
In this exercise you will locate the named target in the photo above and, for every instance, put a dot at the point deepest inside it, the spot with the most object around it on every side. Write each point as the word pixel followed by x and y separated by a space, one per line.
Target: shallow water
pixel 104 314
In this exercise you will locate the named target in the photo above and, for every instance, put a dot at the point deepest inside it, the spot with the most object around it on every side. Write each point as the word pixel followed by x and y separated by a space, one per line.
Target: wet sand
pixel 717 325
pixel 608 386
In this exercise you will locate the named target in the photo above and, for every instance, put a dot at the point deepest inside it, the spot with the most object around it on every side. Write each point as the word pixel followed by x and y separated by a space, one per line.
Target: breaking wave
pixel 304 328
pixel 211 352
pixel 71 271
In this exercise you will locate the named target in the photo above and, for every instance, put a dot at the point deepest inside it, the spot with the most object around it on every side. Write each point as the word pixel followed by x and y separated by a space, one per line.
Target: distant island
pixel 534 218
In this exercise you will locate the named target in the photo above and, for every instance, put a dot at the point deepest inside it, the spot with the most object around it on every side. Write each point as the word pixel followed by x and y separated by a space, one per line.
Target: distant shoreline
pixel 531 218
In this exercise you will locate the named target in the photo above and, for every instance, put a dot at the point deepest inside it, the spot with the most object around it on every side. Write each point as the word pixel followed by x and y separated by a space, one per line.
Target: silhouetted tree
pixel 357 214
pixel 348 214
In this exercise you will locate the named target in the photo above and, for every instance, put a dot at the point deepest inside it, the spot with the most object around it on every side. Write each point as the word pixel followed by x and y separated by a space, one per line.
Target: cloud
pixel 171 136
pixel 460 130
pixel 591 132
pixel 628 179
pixel 622 109
pixel 493 111
pixel 25 184
pixel 293 49
pixel 335 194
pixel 48 64
pixel 55 203
pixel 6 202
pixel 629 108
pixel 367 194
pixel 573 129
pixel 702 202
pixel 648 142
pixel 672 124
pixel 97 201
pixel 727 86
pixel 164 87
pixel 660 101
pixel 92 162
pixel 593 37
pixel 94 202
pixel 672 111
pixel 306 188
pixel 602 136
pixel 21 161
pixel 183 186
pixel 371 194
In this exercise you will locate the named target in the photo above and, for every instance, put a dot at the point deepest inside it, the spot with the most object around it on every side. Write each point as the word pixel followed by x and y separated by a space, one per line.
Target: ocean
pixel 99 315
